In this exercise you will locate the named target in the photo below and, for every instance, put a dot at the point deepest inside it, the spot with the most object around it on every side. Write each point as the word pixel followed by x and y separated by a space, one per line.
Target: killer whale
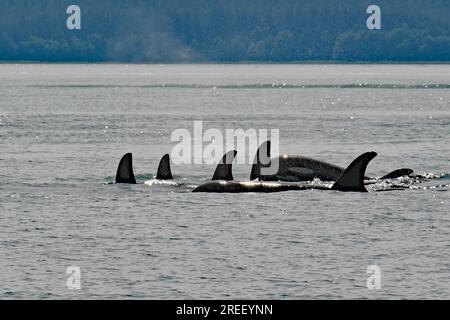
pixel 125 173
pixel 224 168
pixel 164 171
pixel 351 180
pixel 299 168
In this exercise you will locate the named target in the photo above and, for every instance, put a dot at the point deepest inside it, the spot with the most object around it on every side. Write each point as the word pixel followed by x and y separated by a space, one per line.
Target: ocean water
pixel 64 128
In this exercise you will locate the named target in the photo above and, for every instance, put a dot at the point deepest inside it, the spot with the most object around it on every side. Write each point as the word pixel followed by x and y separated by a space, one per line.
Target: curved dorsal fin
pixel 224 170
pixel 164 172
pixel 353 177
pixel 125 170
pixel 262 153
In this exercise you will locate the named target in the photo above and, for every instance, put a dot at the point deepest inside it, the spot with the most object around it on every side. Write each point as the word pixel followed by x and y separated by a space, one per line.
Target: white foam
pixel 154 182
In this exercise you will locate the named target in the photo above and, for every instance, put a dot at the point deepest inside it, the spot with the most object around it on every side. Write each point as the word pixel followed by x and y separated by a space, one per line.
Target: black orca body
pixel 352 179
pixel 298 168
pixel 125 173
pixel 223 186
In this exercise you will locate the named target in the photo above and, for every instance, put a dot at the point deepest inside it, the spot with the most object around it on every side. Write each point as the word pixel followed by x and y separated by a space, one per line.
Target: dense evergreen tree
pixel 225 31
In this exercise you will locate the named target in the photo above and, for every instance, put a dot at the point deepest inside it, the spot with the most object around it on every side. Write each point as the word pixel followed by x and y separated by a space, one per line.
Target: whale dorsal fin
pixel 125 170
pixel 263 152
pixel 224 170
pixel 398 173
pixel 164 172
pixel 353 177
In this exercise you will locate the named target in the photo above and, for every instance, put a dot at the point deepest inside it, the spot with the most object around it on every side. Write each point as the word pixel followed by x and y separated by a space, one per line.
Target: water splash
pixel 156 182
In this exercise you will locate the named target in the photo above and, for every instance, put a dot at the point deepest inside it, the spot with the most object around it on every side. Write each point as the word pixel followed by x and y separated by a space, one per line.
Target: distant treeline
pixel 225 31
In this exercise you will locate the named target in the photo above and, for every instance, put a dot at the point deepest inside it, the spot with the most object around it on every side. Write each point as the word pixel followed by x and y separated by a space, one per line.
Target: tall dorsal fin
pixel 164 172
pixel 353 177
pixel 125 170
pixel 224 170
pixel 262 153
pixel 398 173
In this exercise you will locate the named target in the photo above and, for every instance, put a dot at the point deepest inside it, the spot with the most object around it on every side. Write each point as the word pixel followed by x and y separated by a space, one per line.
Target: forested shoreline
pixel 224 31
